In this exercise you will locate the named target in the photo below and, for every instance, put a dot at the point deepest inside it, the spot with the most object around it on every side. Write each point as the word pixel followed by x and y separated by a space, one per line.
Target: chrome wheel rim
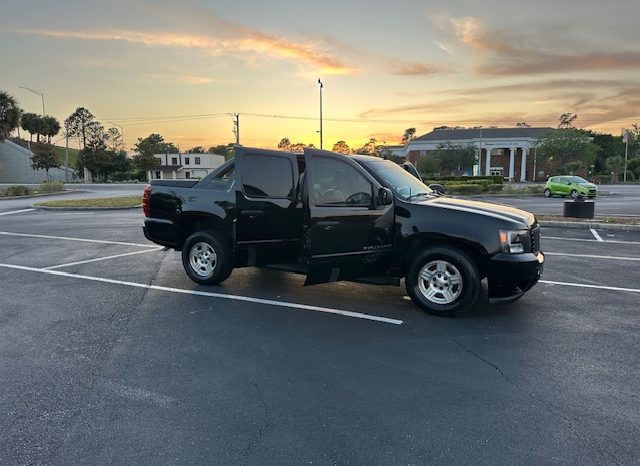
pixel 203 259
pixel 574 194
pixel 440 282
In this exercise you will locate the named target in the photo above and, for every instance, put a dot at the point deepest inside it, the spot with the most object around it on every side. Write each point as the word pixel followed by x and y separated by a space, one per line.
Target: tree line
pixel 567 149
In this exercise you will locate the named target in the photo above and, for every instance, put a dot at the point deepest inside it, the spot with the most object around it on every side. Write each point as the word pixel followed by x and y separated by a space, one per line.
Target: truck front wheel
pixel 206 258
pixel 443 281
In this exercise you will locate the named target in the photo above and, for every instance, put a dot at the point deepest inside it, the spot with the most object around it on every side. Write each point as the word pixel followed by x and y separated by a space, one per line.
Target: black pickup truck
pixel 335 217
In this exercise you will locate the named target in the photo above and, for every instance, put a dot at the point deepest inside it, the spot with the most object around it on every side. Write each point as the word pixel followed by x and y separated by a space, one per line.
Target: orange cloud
pixel 254 43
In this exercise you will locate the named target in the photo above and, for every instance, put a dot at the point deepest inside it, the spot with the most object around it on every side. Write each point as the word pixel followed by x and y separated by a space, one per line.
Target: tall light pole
pixel 38 93
pixel 321 86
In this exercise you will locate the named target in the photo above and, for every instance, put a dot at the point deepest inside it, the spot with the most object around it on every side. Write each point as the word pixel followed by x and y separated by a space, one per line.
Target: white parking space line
pixel 69 264
pixel 17 211
pixel 208 294
pixel 595 234
pixel 592 256
pixel 99 241
pixel 589 240
pixel 584 285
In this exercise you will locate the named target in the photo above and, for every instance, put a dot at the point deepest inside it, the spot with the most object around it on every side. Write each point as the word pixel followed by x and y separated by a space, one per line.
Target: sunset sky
pixel 180 68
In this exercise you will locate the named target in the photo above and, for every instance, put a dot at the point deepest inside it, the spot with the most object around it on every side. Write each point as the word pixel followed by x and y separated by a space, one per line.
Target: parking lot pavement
pixel 109 354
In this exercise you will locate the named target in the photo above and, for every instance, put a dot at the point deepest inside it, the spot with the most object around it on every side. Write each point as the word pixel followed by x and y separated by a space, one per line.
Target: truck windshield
pixel 401 182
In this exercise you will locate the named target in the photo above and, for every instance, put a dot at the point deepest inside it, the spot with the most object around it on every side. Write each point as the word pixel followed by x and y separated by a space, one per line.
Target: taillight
pixel 146 198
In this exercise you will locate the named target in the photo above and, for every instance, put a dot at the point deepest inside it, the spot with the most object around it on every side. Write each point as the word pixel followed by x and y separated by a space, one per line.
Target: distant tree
pixel 40 126
pixel 298 147
pixel 523 124
pixel 77 122
pixel 50 126
pixel 428 167
pixel 146 148
pixel 196 150
pixel 120 165
pixel 222 149
pixel 44 158
pixel 408 135
pixel 95 155
pixel 114 139
pixel 27 124
pixel 615 165
pixel 341 147
pixel 566 150
pixel 9 115
pixel 369 148
pixel 454 157
pixel 284 144
pixel 566 120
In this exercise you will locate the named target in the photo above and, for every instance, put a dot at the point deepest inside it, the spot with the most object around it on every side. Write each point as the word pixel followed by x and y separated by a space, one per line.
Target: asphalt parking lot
pixel 109 354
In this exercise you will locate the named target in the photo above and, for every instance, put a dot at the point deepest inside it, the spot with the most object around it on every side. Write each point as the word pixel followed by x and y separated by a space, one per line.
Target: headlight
pixel 514 241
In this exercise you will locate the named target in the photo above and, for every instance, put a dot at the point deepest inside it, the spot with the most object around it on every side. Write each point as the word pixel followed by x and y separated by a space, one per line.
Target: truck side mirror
pixel 438 188
pixel 385 196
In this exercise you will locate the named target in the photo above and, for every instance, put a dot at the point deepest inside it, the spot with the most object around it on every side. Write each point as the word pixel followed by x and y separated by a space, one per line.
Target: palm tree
pixel 9 115
pixel 408 135
pixel 51 127
pixel 26 123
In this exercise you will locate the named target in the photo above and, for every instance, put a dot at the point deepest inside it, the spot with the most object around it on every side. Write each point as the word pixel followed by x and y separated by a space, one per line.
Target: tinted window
pixel 337 184
pixel 218 180
pixel 267 176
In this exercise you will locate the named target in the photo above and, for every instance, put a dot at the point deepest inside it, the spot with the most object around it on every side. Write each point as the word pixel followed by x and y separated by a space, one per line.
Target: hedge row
pixel 472 188
pixel 495 179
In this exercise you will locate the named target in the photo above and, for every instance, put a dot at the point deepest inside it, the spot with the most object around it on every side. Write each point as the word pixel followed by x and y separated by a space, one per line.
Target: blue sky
pixel 178 68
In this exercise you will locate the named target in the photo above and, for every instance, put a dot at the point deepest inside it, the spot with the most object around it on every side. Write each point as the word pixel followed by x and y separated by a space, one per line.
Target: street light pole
pixel 321 86
pixel 38 93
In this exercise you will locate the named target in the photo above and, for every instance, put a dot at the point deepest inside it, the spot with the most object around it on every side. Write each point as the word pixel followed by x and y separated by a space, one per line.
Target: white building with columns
pixel 508 152
pixel 184 166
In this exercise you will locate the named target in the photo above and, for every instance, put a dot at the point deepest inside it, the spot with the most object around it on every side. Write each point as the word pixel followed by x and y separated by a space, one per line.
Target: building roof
pixel 484 133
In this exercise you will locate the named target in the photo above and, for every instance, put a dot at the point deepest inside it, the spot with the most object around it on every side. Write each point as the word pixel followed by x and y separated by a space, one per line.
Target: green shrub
pixel 53 186
pixel 494 188
pixel 17 190
pixel 463 188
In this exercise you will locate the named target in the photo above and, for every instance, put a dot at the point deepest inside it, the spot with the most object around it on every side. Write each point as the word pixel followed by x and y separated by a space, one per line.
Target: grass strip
pixel 105 202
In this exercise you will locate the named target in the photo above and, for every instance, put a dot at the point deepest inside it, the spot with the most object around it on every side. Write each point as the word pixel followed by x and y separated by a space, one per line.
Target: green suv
pixel 569 185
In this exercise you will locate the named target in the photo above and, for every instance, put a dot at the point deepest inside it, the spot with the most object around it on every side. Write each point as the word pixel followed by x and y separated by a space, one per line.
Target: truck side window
pixel 220 181
pixel 267 176
pixel 337 184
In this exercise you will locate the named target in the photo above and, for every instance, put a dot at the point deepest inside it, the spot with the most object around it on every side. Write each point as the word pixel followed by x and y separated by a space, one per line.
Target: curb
pixel 70 191
pixel 587 225
pixel 86 208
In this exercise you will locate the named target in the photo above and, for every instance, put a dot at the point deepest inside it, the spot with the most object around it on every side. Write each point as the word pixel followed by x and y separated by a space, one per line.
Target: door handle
pixel 328 223
pixel 252 213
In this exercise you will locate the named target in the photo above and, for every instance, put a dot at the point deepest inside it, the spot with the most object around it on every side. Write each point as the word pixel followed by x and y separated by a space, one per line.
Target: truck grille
pixel 535 240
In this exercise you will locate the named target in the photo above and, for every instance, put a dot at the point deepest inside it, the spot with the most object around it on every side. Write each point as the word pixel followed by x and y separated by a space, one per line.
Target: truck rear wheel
pixel 443 281
pixel 206 258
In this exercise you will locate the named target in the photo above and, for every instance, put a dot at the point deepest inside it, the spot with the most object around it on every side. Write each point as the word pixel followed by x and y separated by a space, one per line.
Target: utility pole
pixel 66 152
pixel 625 138
pixel 236 127
pixel 321 86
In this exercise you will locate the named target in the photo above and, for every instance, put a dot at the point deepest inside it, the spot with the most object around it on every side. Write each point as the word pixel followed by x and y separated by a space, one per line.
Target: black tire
pixel 574 194
pixel 547 193
pixel 207 258
pixel 441 294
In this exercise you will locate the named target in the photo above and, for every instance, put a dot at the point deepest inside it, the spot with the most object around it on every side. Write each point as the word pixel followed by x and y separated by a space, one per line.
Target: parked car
pixel 333 217
pixel 569 185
